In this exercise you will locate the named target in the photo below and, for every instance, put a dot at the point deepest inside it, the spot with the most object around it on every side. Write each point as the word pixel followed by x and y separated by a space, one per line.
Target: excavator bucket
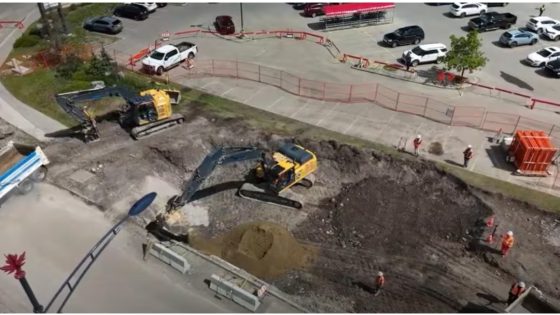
pixel 174 95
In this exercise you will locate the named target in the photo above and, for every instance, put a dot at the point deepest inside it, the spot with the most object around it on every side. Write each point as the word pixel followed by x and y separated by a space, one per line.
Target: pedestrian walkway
pixel 375 123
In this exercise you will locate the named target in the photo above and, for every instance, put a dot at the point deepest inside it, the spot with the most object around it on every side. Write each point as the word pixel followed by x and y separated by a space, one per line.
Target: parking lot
pixel 509 73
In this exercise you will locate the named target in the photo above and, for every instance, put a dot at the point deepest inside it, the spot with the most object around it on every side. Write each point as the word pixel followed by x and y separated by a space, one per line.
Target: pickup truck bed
pixel 492 21
pixel 182 46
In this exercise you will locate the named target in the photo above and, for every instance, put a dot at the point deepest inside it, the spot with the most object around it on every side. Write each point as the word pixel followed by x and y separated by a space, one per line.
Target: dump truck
pixel 20 167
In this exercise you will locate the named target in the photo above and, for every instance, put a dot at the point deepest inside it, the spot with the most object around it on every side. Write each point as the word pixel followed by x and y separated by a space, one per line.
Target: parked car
pixel 541 57
pixel 426 54
pixel 539 23
pixel 301 6
pixel 405 35
pixel 151 6
pixel 131 11
pixel 463 9
pixel 554 67
pixel 313 9
pixel 104 24
pixel 496 4
pixel 518 38
pixel 552 32
pixel 492 21
pixel 168 56
pixel 224 25
pixel 161 4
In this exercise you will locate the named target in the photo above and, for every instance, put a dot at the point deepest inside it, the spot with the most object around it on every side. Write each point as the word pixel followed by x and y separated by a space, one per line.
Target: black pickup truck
pixel 492 21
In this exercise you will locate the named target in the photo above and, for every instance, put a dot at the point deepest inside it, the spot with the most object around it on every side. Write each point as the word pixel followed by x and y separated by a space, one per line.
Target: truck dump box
pixel 20 165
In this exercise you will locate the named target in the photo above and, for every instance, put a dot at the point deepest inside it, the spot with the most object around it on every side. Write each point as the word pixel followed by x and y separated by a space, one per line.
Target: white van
pixel 425 54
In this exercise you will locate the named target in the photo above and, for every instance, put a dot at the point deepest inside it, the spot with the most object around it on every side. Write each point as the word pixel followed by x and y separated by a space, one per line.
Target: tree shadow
pixel 516 81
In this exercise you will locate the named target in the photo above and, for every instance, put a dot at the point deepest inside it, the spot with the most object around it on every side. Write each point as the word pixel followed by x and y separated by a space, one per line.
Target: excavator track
pixel 249 191
pixel 146 130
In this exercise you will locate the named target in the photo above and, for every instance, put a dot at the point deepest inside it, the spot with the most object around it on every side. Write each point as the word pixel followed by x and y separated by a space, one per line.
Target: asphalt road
pixel 56 229
pixel 507 72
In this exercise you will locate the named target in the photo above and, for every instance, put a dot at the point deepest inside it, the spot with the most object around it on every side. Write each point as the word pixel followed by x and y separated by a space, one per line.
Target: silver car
pixel 104 24
pixel 518 38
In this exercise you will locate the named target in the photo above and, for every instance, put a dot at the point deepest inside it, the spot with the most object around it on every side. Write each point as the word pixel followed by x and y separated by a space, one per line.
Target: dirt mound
pixel 264 249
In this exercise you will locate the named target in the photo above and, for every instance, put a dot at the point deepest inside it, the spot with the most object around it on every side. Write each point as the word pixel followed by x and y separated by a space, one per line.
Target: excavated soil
pixel 366 212
pixel 265 249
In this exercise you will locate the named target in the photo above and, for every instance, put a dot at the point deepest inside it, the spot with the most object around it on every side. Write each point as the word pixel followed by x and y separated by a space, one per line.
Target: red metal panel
pixel 533 151
pixel 351 8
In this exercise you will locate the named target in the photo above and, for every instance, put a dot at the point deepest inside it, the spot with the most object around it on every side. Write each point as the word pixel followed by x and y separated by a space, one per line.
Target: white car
pixel 151 6
pixel 463 9
pixel 541 57
pixel 425 53
pixel 539 23
pixel 552 32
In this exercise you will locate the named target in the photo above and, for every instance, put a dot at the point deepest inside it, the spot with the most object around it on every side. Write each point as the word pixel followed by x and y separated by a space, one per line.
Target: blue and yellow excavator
pixel 145 113
pixel 270 180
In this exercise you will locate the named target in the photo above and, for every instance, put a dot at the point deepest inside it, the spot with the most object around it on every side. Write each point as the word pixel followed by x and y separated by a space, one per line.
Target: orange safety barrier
pixel 18 24
pixel 139 55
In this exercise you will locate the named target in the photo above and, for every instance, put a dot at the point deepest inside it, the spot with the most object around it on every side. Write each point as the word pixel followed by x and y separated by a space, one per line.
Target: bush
pixel 100 67
pixel 67 69
pixel 27 40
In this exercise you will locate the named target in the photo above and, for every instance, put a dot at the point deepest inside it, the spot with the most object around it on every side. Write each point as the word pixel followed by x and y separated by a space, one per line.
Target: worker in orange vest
pixel 417 142
pixel 516 290
pixel 379 282
pixel 507 243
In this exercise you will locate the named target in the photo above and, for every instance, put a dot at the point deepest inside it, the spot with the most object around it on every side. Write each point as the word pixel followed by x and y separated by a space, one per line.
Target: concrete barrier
pixel 234 293
pixel 170 257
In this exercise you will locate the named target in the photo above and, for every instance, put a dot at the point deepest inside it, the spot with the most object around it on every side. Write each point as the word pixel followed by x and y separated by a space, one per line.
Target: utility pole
pixel 44 20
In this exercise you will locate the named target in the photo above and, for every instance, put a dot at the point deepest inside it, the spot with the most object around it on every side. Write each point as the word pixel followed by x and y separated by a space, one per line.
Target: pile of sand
pixel 264 249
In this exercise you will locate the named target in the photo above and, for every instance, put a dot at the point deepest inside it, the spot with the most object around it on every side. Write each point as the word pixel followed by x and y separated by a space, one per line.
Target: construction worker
pixel 516 290
pixel 541 10
pixel 507 243
pixel 379 282
pixel 417 142
pixel 467 155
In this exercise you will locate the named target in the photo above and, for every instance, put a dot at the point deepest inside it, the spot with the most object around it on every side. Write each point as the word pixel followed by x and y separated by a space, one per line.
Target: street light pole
pixel 241 11
pixel 96 250
pixel 14 263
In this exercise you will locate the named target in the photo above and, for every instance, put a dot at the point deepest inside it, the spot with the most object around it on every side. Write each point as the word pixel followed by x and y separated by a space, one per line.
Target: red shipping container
pixel 532 152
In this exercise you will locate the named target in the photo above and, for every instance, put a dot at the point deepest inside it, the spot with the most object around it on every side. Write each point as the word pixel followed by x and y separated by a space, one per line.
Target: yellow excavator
pixel 145 113
pixel 270 180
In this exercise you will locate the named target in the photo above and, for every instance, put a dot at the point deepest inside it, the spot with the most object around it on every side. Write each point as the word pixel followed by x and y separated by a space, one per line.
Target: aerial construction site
pixel 368 209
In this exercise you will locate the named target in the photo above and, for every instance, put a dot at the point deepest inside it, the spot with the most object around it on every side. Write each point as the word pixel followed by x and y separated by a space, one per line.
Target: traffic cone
pixel 490 221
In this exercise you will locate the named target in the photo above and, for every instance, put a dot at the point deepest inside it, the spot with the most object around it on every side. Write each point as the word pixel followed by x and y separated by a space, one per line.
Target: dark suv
pixel 554 67
pixel 405 35
pixel 131 11
pixel 224 25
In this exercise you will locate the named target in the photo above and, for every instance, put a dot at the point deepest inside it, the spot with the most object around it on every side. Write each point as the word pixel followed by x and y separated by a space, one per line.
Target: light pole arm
pixel 78 273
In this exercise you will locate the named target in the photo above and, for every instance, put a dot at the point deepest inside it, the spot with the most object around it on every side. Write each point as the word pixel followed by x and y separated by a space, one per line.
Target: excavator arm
pixel 221 156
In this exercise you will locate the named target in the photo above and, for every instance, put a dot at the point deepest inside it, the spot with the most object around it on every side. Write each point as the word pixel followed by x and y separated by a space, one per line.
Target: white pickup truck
pixel 168 56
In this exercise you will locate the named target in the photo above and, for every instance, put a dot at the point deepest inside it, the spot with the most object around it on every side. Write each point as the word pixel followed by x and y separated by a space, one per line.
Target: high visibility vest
pixel 380 280
pixel 507 241
pixel 516 290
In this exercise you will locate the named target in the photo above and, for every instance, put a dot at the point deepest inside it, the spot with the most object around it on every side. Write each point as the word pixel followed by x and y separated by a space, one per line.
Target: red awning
pixel 351 8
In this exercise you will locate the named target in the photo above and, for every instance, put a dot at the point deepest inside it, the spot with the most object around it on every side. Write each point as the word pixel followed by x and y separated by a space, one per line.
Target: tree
pixel 465 53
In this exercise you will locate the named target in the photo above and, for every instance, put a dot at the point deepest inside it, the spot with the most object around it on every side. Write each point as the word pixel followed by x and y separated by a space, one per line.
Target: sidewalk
pixel 375 123
pixel 14 111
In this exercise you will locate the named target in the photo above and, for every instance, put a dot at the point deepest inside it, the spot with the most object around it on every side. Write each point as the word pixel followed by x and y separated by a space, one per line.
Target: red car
pixel 224 25
pixel 313 9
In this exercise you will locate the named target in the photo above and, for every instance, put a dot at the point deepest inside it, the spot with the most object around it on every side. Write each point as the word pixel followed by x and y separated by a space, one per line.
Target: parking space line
pixel 386 126
pixel 207 84
pixel 328 114
pixel 300 109
pixel 252 95
pixel 275 102
pixel 449 135
pixel 477 155
pixel 351 124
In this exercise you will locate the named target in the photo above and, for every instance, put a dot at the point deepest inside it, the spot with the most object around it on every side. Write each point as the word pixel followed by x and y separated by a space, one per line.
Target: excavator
pixel 269 181
pixel 144 113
